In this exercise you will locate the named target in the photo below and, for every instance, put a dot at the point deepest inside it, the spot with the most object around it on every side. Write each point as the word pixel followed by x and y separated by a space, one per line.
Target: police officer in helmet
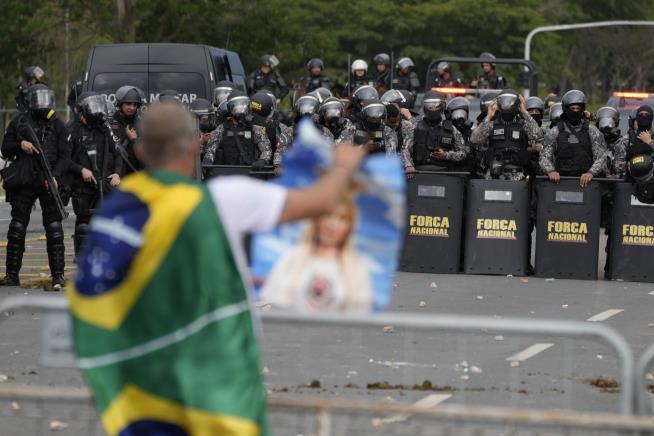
pixel 31 76
pixel 332 116
pixel 359 96
pixel 382 63
pixel 444 77
pixel 505 137
pixel 458 110
pixel 399 119
pixel 573 147
pixel 220 94
pixel 129 100
pixel 238 141
pixel 406 78
pixel 607 119
pixel 263 106
pixel 316 79
pixel 268 78
pixel 358 76
pixel 205 113
pixel 637 141
pixel 437 144
pixel 371 126
pixel 95 164
pixel 488 78
pixel 28 181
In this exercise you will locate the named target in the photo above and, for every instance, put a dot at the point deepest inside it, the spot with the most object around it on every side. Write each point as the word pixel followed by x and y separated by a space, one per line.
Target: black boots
pixel 54 233
pixel 15 250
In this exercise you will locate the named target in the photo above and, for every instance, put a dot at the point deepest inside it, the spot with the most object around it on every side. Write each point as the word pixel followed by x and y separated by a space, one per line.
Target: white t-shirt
pixel 246 205
pixel 321 287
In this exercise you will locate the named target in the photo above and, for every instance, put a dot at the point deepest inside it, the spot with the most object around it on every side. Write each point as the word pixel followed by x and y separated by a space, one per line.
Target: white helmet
pixel 359 64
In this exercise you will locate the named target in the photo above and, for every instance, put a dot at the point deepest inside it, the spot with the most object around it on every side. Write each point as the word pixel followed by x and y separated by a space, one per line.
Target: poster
pixel 344 261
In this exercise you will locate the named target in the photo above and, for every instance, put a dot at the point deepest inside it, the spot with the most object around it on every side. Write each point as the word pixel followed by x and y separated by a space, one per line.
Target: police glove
pixel 258 165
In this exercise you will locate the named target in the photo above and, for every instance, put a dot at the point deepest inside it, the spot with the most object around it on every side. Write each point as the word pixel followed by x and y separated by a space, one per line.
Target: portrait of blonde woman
pixel 324 272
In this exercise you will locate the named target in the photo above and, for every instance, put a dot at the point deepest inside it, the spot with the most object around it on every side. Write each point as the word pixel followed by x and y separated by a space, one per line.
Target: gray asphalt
pixel 348 363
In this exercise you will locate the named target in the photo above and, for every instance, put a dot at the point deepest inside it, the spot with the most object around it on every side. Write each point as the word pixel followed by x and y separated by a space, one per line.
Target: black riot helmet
pixel 222 91
pixel 485 100
pixel 433 106
pixel 129 94
pixel 489 58
pixel 405 64
pixel 362 94
pixel 536 108
pixel 331 110
pixel 306 105
pixel 641 168
pixel 315 62
pixel 205 112
pixel 373 112
pixel 508 104
pixel 321 94
pixel 41 102
pixel 555 113
pixel 238 104
pixel 262 106
pixel 458 109
pixel 409 99
pixel 93 108
pixel 608 119
pixel 572 98
pixel 169 95
pixel 382 59
pixel 393 96
pixel 33 72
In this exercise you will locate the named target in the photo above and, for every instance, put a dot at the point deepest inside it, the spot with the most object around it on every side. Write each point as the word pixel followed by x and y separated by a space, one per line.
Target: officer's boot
pixel 81 230
pixel 54 233
pixel 15 250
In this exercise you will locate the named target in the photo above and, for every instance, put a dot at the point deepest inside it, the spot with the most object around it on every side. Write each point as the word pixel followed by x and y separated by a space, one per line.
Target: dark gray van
pixel 192 70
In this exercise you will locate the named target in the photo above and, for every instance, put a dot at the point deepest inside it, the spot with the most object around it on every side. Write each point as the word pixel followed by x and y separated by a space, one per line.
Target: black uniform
pixel 271 81
pixel 23 191
pixel 431 136
pixel 311 83
pixel 383 81
pixel 119 123
pixel 574 153
pixel 93 148
pixel 409 82
pixel 491 81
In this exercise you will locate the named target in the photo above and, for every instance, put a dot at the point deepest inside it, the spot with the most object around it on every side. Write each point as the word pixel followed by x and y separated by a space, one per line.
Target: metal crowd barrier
pixel 643 385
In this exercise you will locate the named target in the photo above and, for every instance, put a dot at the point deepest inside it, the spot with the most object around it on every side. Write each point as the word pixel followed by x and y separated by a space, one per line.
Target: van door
pixel 180 67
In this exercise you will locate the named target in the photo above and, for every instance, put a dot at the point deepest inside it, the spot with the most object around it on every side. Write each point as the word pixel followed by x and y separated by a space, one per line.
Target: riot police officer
pixel 129 99
pixel 238 141
pixel 636 142
pixel 332 117
pixel 573 147
pixel 489 78
pixel 316 78
pixel 458 110
pixel 28 181
pixel 358 76
pixel 607 119
pixel 31 76
pixel 382 63
pixel 371 125
pixel 360 96
pixel 399 119
pixel 555 112
pixel 437 144
pixel 321 94
pixel 95 163
pixel 406 78
pixel 267 77
pixel 280 135
pixel 220 94
pixel 444 77
pixel 536 108
pixel 205 113
pixel 484 102
pixel 505 137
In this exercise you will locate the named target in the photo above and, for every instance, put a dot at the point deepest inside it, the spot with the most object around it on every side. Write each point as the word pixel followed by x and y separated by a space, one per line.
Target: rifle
pixel 119 146
pixel 53 188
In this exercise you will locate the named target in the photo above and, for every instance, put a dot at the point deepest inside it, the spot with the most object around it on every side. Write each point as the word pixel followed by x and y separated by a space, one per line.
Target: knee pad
pixel 16 231
pixel 54 231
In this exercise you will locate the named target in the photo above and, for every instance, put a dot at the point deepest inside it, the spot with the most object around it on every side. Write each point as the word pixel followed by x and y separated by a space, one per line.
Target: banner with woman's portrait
pixel 345 260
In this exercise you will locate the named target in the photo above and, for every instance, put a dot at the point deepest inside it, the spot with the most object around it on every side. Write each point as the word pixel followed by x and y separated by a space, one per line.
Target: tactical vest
pixel 574 152
pixel 402 82
pixel 636 147
pixel 313 83
pixel 376 136
pixel 238 146
pixel 429 138
pixel 508 144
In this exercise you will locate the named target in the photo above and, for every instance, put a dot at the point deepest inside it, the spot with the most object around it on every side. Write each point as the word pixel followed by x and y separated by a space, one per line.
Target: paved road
pixel 551 372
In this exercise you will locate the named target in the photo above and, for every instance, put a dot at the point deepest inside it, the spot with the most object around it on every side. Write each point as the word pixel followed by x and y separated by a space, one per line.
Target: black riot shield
pixel 497 227
pixel 567 229
pixel 631 248
pixel 434 224
pixel 212 171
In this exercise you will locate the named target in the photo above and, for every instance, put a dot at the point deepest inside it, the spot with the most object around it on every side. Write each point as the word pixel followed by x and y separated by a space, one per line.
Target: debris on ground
pixel 58 425
pixel 433 285
pixel 606 385
pixel 4 378
pixel 15 406
pixel 480 297
pixel 315 384
pixel 499 338
pixel 388 329
pixel 422 304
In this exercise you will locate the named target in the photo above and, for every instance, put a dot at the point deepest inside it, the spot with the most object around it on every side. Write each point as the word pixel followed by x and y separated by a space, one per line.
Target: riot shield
pixel 631 248
pixel 434 223
pixel 497 227
pixel 567 229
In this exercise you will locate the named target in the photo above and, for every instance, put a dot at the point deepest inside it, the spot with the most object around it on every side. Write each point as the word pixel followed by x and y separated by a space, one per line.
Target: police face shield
pixel 207 122
pixel 94 110
pixel 508 106
pixel 220 94
pixel 433 109
pixel 41 99
pixel 332 111
pixel 238 107
pixel 606 125
pixel 305 107
pixel 459 116
pixel 374 113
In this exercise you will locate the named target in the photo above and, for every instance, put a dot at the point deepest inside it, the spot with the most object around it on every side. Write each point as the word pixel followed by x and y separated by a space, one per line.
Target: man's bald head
pixel 167 133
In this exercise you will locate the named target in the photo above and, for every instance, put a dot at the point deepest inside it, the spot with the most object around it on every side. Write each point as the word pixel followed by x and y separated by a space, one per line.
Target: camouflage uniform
pixel 619 156
pixel 260 139
pixel 347 133
pixel 458 154
pixel 407 128
pixel 548 153
pixel 479 138
pixel 390 141
pixel 285 145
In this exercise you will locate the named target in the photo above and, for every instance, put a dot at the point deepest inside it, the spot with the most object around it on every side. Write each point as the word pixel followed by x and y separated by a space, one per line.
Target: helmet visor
pixel 220 94
pixel 306 107
pixel 238 106
pixel 207 122
pixel 459 114
pixel 433 105
pixel 507 102
pixel 94 104
pixel 606 123
pixel 42 99
pixel 375 111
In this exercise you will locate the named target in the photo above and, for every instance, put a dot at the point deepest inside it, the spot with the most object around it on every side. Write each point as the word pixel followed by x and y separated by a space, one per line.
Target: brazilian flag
pixel 161 320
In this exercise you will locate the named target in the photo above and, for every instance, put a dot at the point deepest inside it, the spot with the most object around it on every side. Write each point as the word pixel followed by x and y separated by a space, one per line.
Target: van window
pixel 189 85
pixel 107 83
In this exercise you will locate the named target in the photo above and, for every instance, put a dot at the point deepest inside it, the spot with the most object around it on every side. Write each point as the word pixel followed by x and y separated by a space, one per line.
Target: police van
pixel 190 69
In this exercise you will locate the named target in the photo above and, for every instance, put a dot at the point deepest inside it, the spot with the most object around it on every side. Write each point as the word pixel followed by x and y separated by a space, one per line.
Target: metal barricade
pixel 497 227
pixel 645 382
pixel 435 223
pixel 567 229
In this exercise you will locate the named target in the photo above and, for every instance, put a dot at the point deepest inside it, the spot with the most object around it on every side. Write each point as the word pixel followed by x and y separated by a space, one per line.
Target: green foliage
pixel 597 61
